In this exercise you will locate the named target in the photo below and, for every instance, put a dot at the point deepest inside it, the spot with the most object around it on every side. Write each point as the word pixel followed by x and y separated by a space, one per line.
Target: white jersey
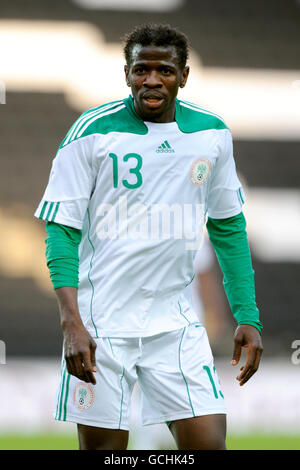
pixel 140 191
pixel 203 263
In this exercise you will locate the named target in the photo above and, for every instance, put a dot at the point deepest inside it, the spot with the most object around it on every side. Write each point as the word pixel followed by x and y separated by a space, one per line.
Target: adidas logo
pixel 165 147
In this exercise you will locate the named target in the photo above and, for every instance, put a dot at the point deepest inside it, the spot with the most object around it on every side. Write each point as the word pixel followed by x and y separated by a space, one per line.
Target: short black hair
pixel 151 34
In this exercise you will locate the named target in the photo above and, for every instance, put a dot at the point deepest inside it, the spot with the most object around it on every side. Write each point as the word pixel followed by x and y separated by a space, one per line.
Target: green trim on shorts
pixel 60 389
pixel 60 399
pixel 66 397
pixel 187 387
pixel 61 406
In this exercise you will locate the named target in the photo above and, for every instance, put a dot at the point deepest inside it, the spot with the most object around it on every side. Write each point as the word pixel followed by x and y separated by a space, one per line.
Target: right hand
pixel 79 353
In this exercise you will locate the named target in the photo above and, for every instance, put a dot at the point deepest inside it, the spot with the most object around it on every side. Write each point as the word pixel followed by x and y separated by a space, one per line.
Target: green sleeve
pixel 229 239
pixel 62 254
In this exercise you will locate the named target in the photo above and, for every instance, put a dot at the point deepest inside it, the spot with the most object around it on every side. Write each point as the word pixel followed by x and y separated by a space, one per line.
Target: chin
pixel 151 113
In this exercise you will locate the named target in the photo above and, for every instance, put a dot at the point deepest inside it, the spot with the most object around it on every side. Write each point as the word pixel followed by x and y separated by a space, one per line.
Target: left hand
pixel 247 336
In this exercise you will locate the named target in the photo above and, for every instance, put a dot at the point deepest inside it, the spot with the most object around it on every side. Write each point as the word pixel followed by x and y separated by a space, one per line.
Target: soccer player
pixel 130 188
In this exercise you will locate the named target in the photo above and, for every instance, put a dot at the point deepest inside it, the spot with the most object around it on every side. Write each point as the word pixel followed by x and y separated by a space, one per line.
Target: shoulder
pixel 192 118
pixel 82 126
pixel 110 117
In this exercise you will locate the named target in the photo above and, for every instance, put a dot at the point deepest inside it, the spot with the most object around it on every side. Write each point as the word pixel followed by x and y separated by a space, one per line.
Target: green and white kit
pixel 140 192
pixel 176 375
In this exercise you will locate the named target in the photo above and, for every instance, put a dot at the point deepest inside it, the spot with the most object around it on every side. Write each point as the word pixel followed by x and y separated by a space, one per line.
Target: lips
pixel 152 99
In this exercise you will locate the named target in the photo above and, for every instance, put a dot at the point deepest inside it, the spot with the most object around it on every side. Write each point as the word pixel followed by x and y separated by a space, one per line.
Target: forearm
pixel 63 263
pixel 68 307
pixel 229 239
pixel 62 254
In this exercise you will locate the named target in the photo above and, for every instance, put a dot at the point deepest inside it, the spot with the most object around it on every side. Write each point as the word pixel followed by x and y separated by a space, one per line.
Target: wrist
pixel 255 324
pixel 70 320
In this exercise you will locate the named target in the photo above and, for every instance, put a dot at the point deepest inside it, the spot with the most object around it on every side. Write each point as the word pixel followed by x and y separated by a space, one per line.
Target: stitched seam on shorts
pixel 121 397
pixel 121 380
pixel 179 361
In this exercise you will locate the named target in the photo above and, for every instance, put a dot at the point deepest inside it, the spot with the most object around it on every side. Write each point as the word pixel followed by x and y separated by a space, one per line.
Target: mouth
pixel 152 100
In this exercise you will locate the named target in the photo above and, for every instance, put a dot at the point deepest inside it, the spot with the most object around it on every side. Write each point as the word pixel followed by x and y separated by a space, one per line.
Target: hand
pixel 79 352
pixel 247 336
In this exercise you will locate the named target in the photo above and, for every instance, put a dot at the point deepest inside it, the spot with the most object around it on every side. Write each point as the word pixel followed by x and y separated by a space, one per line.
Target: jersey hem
pixel 136 333
pixel 64 221
pixel 225 214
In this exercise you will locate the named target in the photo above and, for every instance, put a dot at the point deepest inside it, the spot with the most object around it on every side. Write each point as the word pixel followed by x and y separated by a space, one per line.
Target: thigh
pixel 94 438
pixel 202 432
pixel 178 378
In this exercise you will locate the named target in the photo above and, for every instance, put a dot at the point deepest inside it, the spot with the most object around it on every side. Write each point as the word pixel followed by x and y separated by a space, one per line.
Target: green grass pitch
pixel 69 442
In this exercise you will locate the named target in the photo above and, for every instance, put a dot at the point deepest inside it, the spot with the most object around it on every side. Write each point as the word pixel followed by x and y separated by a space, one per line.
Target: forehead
pixel 154 53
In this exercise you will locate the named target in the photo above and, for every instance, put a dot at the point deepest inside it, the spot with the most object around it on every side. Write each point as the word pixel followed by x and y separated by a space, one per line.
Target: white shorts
pixel 175 372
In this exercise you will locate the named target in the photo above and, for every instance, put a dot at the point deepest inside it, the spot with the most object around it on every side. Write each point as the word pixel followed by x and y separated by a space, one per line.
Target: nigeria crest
pixel 83 396
pixel 200 171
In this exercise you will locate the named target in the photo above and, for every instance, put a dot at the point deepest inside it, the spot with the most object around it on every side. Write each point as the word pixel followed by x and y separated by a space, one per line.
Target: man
pixel 127 194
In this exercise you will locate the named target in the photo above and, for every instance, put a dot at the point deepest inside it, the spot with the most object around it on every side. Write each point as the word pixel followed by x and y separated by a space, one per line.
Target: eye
pixel 166 71
pixel 139 70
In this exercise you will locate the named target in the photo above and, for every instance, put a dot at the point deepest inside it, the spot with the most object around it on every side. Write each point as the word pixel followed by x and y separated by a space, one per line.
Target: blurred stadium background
pixel 61 57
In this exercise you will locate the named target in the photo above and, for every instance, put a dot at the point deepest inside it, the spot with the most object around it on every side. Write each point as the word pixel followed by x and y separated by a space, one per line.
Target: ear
pixel 126 70
pixel 184 76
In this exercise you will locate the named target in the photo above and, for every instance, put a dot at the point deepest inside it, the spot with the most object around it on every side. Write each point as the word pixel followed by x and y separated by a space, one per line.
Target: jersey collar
pixel 130 106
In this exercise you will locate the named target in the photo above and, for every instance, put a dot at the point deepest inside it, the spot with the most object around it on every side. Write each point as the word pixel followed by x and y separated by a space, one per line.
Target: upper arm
pixel 226 195
pixel 70 186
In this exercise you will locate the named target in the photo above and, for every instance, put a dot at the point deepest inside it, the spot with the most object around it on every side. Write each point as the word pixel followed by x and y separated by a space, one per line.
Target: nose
pixel 152 79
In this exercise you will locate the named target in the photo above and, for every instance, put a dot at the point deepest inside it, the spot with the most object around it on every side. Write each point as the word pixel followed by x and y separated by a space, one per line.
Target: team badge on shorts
pixel 200 171
pixel 83 396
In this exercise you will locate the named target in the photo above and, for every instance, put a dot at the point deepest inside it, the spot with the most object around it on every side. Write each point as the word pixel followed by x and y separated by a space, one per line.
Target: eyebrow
pixel 145 63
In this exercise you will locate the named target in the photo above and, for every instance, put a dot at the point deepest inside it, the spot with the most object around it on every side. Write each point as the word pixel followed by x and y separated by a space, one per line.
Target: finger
pixel 236 352
pixel 251 356
pixel 93 356
pixel 253 366
pixel 88 367
pixel 253 359
pixel 71 367
pixel 78 367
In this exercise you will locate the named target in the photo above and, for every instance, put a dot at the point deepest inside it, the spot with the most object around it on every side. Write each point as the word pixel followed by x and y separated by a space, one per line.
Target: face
pixel 154 77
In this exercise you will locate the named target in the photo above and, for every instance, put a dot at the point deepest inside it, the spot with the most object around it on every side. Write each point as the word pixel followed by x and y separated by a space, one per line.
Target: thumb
pixel 236 353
